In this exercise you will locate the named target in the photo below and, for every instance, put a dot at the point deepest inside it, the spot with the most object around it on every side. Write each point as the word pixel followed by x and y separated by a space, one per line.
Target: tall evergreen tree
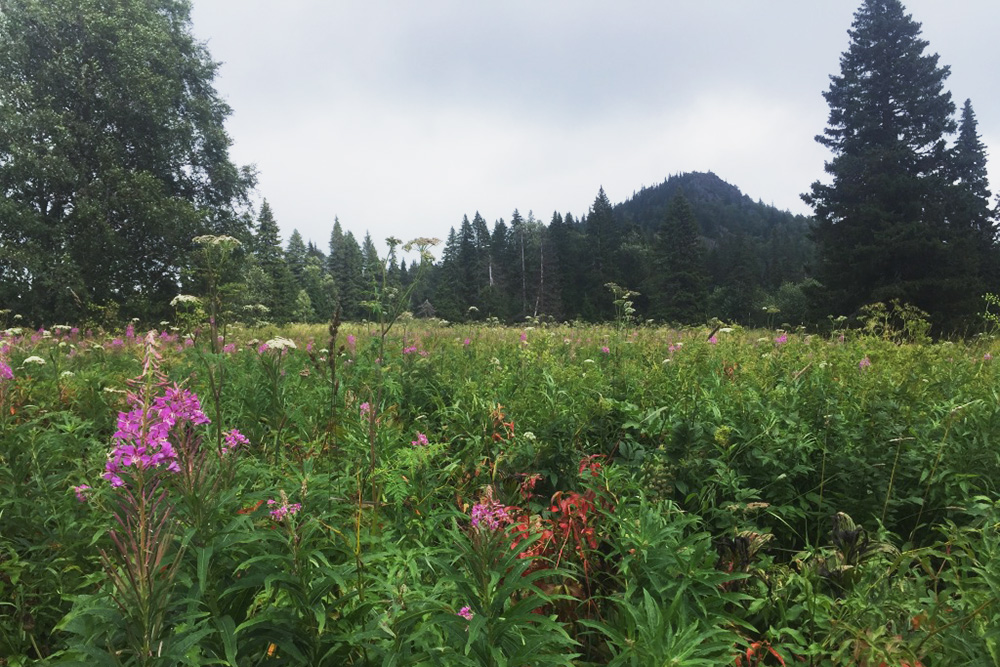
pixel 972 195
pixel 603 239
pixel 447 301
pixel 295 255
pixel 679 286
pixel 350 278
pixel 113 155
pixel 279 285
pixel 884 229
pixel 501 273
pixel 319 286
pixel 467 289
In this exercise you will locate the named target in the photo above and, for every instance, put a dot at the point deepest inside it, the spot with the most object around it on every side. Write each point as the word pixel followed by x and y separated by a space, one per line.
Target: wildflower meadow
pixel 434 494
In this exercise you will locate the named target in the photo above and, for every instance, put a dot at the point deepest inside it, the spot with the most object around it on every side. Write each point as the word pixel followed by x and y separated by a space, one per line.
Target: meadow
pixel 430 494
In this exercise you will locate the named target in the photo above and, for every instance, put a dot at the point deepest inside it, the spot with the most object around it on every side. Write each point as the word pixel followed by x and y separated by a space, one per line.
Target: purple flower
pixel 142 435
pixel 365 409
pixel 5 372
pixel 80 491
pixel 283 509
pixel 524 337
pixel 188 342
pixel 466 613
pixel 262 348
pixel 229 348
pixel 234 439
pixel 410 349
pixel 177 405
pixel 606 350
pixel 713 340
pixel 864 363
pixel 986 357
pixel 420 441
pixel 351 341
pixel 782 339
pixel 490 514
pixel 465 343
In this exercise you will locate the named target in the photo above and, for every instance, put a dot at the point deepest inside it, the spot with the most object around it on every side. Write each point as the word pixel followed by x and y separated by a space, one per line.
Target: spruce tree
pixel 295 255
pixel 350 278
pixel 446 299
pixel 972 197
pixel 885 228
pixel 680 282
pixel 279 285
pixel 603 239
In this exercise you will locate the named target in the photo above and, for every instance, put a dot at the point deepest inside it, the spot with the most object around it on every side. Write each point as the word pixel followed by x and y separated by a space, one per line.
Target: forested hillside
pixel 693 239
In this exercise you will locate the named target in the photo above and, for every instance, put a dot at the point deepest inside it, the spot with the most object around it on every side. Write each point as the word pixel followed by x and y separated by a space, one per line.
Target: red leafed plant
pixel 572 528
pixel 757 655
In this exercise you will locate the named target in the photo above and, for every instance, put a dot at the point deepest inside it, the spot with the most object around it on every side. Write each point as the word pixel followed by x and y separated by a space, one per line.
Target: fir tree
pixel 972 196
pixel 679 285
pixel 603 239
pixel 277 283
pixel 295 255
pixel 884 226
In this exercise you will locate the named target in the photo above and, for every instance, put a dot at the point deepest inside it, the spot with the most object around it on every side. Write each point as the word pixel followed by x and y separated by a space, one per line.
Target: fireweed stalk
pixel 140 569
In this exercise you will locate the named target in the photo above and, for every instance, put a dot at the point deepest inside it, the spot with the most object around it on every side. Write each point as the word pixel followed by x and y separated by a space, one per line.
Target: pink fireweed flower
pixel 466 613
pixel 420 441
pixel 986 357
pixel 606 350
pixel 179 405
pixel 5 372
pixel 229 348
pixel 283 509
pixel 262 348
pixel 81 492
pixel 232 440
pixel 864 363
pixel 188 342
pixel 351 342
pixel 524 337
pixel 365 409
pixel 782 339
pixel 490 514
pixel 465 343
pixel 410 349
pixel 142 436
pixel 713 340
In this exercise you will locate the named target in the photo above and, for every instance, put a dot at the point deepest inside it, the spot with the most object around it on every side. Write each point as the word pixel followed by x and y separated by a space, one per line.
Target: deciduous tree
pixel 113 155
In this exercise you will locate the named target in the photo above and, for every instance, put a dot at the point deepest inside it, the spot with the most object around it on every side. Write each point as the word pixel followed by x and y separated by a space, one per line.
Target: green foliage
pixel 905 217
pixel 680 281
pixel 136 161
pixel 673 498
pixel 896 322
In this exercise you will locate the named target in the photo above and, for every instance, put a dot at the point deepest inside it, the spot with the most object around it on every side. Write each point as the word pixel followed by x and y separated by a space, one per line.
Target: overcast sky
pixel 401 117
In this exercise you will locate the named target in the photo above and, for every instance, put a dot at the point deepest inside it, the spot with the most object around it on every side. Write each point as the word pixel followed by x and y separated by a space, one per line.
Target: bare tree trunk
pixel 541 272
pixel 524 277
